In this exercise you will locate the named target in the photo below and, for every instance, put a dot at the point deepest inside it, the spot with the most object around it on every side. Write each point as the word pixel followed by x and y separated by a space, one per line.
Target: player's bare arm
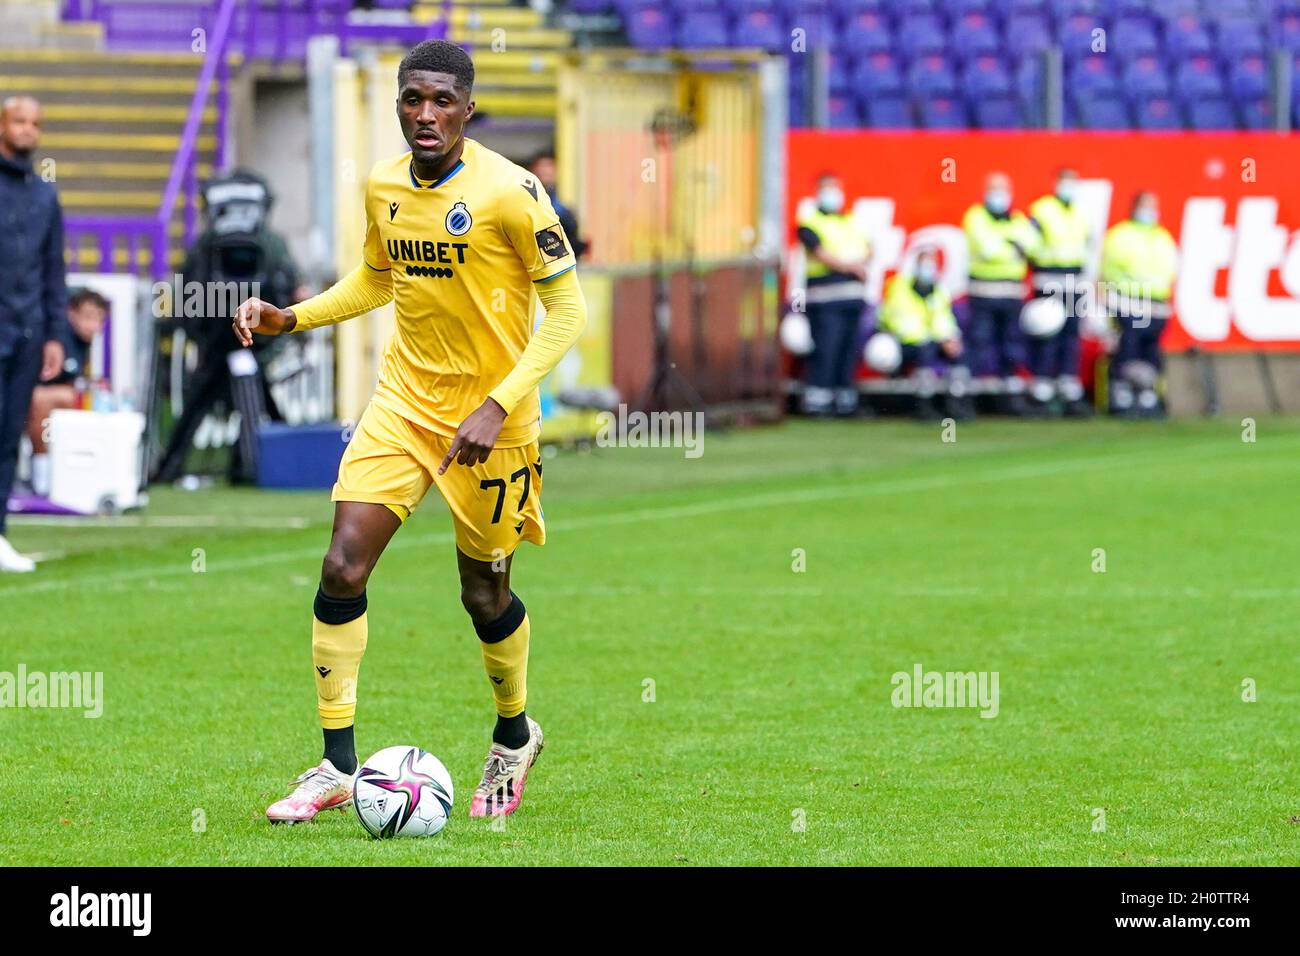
pixel 256 315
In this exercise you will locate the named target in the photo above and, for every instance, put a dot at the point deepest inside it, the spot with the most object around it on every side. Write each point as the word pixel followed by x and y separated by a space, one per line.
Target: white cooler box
pixel 95 460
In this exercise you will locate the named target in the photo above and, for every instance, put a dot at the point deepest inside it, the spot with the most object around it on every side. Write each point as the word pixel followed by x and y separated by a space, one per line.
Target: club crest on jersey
pixel 459 220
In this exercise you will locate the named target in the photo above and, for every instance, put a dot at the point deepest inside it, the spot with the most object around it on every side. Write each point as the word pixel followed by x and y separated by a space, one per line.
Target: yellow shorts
pixel 494 505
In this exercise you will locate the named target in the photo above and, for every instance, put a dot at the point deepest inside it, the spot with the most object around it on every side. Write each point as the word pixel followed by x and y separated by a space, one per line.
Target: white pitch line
pixel 667 513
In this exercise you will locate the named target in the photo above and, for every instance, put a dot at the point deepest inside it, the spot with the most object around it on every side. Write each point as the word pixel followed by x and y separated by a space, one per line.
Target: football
pixel 402 792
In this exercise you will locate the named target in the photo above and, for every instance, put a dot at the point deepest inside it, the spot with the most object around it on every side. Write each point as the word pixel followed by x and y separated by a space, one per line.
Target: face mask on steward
pixel 998 201
pixel 830 199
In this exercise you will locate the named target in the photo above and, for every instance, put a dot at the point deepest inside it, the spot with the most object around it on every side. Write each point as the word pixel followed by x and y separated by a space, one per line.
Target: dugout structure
pixel 675 163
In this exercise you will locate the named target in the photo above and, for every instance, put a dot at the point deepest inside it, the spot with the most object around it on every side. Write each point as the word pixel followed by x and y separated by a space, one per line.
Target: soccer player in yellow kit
pixel 458 237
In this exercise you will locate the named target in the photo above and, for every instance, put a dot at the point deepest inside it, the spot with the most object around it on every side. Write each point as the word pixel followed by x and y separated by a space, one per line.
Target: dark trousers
pixel 835 343
pixel 929 355
pixel 996 343
pixel 19 371
pixel 1058 354
pixel 1139 341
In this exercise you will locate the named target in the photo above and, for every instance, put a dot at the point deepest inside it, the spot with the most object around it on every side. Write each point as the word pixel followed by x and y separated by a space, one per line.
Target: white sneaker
pixel 11 560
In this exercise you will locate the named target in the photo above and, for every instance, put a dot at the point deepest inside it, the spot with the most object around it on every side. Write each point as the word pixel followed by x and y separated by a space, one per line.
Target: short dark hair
pixel 438 56
pixel 80 297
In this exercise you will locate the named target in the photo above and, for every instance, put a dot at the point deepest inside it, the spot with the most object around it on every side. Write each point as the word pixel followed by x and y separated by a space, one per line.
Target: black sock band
pixel 341 750
pixel 494 632
pixel 332 610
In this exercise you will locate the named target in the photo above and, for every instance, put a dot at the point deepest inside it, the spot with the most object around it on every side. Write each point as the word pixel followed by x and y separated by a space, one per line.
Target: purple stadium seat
pixel 585 6
pixel 888 112
pixel 1257 113
pixel 1026 33
pixel 800 10
pixel 865 33
pixel 1146 76
pixel 920 34
pixel 839 72
pixel 851 7
pixel 1133 36
pixel 1077 32
pixel 818 28
pixel 1171 9
pixel 744 6
pixel 974 35
pixel 1094 76
pixel 1186 36
pixel 942 112
pixel 1238 37
pixel 1198 78
pixel 1017 7
pixel 1029 79
pixel 1132 8
pixel 1235 9
pixel 877 75
pixel 998 112
pixel 701 30
pixel 958 8
pixel 907 7
pixel 1103 113
pixel 1066 8
pixel 843 112
pixel 1158 112
pixel 649 27
pixel 681 7
pixel 1211 113
pixel 761 29
pixel 1286 31
pixel 1248 78
pixel 931 76
pixel 985 76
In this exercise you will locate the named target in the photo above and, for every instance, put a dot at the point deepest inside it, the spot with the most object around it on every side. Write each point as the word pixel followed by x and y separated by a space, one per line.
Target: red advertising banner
pixel 1231 201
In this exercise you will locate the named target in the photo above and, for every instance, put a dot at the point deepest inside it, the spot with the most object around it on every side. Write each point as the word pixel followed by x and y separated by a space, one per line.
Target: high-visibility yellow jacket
pixel 839 235
pixel 1140 260
pixel 993 240
pixel 913 319
pixel 1063 234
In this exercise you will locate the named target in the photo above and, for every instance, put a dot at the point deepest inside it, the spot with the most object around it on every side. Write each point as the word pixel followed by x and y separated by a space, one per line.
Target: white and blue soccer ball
pixel 402 792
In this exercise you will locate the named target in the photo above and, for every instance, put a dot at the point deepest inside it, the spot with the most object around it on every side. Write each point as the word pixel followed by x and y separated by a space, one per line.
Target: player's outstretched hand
pixel 476 436
pixel 254 315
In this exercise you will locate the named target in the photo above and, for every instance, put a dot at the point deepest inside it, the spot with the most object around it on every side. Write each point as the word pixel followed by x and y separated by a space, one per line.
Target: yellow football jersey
pixel 463 254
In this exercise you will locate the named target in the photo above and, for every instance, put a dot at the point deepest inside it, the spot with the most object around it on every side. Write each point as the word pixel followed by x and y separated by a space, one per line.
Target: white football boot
pixel 321 788
pixel 504 776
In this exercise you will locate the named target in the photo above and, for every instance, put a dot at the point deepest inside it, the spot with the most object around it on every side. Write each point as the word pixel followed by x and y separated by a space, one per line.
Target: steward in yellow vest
pixel 835 294
pixel 1138 268
pixel 1058 262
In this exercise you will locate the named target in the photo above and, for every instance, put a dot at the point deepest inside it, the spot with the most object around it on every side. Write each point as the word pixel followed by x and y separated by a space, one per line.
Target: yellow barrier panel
pixel 663 158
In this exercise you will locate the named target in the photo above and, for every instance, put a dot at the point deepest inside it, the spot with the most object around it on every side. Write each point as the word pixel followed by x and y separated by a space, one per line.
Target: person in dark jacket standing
pixel 33 293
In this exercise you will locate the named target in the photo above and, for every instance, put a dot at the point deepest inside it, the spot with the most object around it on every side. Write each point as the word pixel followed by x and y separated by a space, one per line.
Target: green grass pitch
pixel 771 737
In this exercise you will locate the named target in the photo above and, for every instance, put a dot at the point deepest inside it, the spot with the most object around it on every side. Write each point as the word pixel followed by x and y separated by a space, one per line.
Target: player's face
pixel 20 126
pixel 433 113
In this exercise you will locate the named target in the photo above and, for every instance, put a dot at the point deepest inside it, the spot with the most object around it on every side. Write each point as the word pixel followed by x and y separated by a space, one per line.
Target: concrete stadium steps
pixel 113 124
pixel 519 80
